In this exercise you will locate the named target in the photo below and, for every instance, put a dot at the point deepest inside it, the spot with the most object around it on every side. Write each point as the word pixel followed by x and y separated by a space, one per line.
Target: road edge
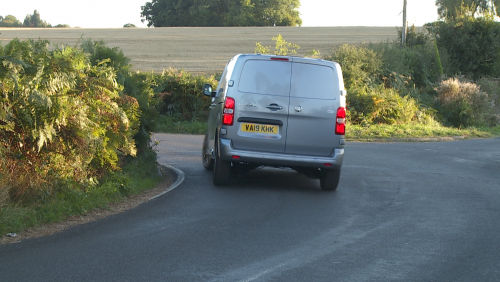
pixel 181 176
pixel 127 204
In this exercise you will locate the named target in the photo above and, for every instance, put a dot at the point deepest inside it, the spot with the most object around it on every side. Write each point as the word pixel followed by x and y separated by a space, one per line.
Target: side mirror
pixel 207 90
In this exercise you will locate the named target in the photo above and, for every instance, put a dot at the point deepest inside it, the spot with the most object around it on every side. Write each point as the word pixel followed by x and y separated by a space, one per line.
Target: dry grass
pixel 453 89
pixel 202 49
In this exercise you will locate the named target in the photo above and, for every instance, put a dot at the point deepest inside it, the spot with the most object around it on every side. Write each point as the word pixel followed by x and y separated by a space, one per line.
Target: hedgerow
pixel 62 118
pixel 375 95
pixel 447 73
pixel 181 95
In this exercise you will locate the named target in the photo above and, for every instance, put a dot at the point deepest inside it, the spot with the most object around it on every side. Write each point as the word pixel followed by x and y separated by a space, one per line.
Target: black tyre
pixel 329 181
pixel 222 169
pixel 206 157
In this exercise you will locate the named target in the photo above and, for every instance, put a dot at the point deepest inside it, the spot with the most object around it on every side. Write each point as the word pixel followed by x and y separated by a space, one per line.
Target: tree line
pixel 160 13
pixel 457 9
pixel 468 36
pixel 33 20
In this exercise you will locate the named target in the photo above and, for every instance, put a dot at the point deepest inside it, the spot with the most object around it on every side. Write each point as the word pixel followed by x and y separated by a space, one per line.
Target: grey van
pixel 277 111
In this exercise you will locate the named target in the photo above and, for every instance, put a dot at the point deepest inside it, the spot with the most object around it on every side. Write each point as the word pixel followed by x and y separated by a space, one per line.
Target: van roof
pixel 290 58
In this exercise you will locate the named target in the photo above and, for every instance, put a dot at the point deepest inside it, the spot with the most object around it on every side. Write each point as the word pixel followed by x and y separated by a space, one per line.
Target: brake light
pixel 228 112
pixel 340 122
pixel 279 59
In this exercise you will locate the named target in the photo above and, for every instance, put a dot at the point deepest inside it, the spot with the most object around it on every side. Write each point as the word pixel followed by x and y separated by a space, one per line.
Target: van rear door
pixel 314 99
pixel 262 99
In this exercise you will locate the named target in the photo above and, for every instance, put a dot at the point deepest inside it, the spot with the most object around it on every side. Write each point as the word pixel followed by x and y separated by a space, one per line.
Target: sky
pixel 116 13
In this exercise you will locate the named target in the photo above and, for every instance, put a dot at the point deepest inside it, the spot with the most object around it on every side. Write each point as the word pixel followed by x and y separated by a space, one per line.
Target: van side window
pixel 221 90
pixel 222 83
pixel 314 81
pixel 265 77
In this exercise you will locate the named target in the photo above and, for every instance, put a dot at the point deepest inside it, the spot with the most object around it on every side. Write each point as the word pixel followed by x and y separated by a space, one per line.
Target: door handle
pixel 275 107
pixel 298 109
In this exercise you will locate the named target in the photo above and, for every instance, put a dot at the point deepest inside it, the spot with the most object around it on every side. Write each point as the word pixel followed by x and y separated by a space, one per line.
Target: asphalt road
pixel 403 211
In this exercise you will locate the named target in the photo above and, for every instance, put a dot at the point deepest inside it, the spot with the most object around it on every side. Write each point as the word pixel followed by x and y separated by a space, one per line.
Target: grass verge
pixel 168 124
pixel 138 175
pixel 378 132
pixel 411 132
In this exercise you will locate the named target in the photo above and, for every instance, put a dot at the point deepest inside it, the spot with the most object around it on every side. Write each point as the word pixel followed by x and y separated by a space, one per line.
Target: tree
pixel 281 48
pixel 472 46
pixel 456 9
pixel 9 21
pixel 277 12
pixel 469 36
pixel 221 13
pixel 34 20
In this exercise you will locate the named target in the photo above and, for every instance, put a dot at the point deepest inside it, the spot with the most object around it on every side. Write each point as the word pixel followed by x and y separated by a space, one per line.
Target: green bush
pixel 463 104
pixel 281 47
pixel 181 94
pixel 380 105
pixel 140 86
pixel 62 118
pixel 492 87
pixel 137 85
pixel 4 193
pixel 99 53
pixel 361 66
pixel 377 95
pixel 418 66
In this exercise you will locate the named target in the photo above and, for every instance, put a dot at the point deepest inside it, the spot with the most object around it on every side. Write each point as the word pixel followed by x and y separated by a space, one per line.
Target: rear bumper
pixel 280 159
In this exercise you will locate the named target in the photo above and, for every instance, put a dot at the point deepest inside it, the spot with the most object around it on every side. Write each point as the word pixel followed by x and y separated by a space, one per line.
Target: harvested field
pixel 202 49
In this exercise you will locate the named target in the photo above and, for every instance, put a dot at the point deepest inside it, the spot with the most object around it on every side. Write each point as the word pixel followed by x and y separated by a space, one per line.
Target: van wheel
pixel 329 181
pixel 222 169
pixel 206 157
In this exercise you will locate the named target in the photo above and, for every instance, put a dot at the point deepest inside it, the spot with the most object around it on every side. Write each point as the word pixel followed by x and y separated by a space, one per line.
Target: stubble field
pixel 202 49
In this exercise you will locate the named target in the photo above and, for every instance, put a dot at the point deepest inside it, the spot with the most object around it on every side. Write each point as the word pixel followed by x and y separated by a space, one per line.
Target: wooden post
pixel 405 25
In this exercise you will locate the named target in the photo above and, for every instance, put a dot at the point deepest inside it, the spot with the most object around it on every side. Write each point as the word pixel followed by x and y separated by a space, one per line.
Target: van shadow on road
pixel 274 179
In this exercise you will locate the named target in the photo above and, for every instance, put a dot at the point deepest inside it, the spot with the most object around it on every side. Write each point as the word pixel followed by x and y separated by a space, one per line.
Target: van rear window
pixel 266 77
pixel 314 81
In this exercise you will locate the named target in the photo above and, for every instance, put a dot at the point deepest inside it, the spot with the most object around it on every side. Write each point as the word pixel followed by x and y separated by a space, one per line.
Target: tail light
pixel 228 112
pixel 340 123
pixel 279 59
